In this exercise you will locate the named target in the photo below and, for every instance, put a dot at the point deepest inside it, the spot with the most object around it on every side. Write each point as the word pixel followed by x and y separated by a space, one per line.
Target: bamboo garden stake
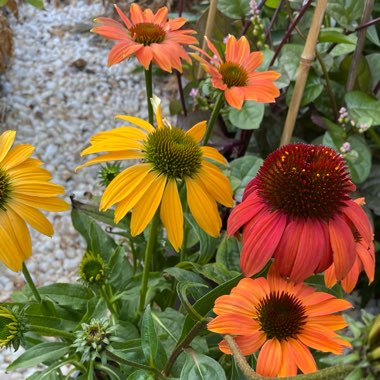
pixel 307 58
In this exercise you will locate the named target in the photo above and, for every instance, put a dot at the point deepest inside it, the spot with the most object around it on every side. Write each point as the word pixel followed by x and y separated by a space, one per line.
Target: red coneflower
pixel 298 211
pixel 151 37
pixel 283 319
pixel 236 75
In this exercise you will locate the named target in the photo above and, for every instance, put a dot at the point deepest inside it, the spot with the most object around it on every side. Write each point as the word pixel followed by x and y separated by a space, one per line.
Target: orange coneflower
pixel 24 188
pixel 169 156
pixel 283 319
pixel 235 75
pixel 151 37
pixel 298 211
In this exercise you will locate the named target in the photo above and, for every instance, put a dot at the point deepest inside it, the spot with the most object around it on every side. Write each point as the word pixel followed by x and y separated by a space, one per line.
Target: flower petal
pixel 197 131
pixel 270 358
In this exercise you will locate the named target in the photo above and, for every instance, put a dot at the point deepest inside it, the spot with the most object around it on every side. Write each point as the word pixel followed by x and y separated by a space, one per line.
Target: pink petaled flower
pixel 151 37
pixel 236 75
pixel 297 210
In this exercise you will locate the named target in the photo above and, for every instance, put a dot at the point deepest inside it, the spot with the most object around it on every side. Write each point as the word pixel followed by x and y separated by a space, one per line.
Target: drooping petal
pixel 288 364
pixel 147 206
pixel 248 344
pixel 145 56
pixel 270 358
pixel 203 206
pixel 301 356
pixel 172 215
pixel 234 97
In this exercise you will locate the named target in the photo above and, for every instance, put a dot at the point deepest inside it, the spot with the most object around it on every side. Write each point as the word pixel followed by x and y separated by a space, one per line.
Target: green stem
pixel 181 345
pixel 30 282
pixel 148 258
pixel 214 114
pixel 109 301
pixel 130 363
pixel 149 92
pixel 48 331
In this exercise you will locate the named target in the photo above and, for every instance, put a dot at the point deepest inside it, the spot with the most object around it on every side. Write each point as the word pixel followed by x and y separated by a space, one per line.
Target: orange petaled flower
pixel 169 156
pixel 151 37
pixel 236 75
pixel 297 210
pixel 24 188
pixel 283 319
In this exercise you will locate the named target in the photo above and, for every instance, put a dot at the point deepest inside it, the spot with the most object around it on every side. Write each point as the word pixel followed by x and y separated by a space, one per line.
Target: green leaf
pixel 374 66
pixel 363 73
pixel 208 244
pixel 244 169
pixel 372 35
pixel 345 12
pixel 342 49
pixel 153 351
pixel 272 3
pixel 36 3
pixel 234 8
pixel 182 288
pixel 337 132
pixel 216 272
pixel 249 116
pixel 182 275
pixel 3 2
pixel 228 253
pixel 313 89
pixel 201 367
pixel 141 375
pixel 336 35
pixel 358 159
pixel 290 59
pixel 361 105
pixel 40 353
pixel 73 295
pixel 205 304
pixel 371 189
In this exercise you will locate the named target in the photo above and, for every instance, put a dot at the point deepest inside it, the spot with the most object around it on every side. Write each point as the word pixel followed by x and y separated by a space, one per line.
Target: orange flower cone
pixel 150 37
pixel 297 210
pixel 236 74
pixel 282 320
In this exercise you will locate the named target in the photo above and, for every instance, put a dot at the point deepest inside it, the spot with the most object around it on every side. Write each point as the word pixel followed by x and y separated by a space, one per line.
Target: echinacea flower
pixel 24 188
pixel 282 320
pixel 235 74
pixel 297 210
pixel 169 156
pixel 151 37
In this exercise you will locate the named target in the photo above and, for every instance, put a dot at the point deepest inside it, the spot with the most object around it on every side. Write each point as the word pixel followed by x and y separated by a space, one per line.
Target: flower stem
pixel 32 286
pixel 148 258
pixel 106 294
pixel 214 114
pixel 186 230
pixel 48 331
pixel 149 92
pixel 130 363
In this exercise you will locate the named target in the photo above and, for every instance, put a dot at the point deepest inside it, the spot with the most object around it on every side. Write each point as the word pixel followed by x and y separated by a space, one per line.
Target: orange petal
pixel 248 344
pixel 234 324
pixel 301 356
pixel 270 358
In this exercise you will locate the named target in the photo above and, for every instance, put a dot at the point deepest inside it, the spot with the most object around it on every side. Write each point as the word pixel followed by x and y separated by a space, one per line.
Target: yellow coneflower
pixel 24 188
pixel 169 156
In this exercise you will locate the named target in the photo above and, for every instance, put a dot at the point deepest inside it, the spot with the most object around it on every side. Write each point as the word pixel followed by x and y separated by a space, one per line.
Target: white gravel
pixel 57 107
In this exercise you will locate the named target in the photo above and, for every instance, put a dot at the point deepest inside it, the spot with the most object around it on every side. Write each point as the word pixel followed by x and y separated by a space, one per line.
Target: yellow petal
pixel 147 206
pixel 17 155
pixel 121 132
pixel 137 121
pixel 123 184
pixel 134 196
pixel 156 104
pixel 197 131
pixel 213 154
pixel 203 207
pixel 171 214
pixel 33 217
pixel 113 145
pixel 114 156
pixel 21 174
pixel 48 204
pixel 216 183
pixel 38 189
pixel 6 141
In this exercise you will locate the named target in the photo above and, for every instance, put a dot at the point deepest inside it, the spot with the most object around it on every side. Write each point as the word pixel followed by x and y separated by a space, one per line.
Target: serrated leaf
pixel 249 116
pixel 201 367
pixel 360 105
pixel 39 354
pixel 234 8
